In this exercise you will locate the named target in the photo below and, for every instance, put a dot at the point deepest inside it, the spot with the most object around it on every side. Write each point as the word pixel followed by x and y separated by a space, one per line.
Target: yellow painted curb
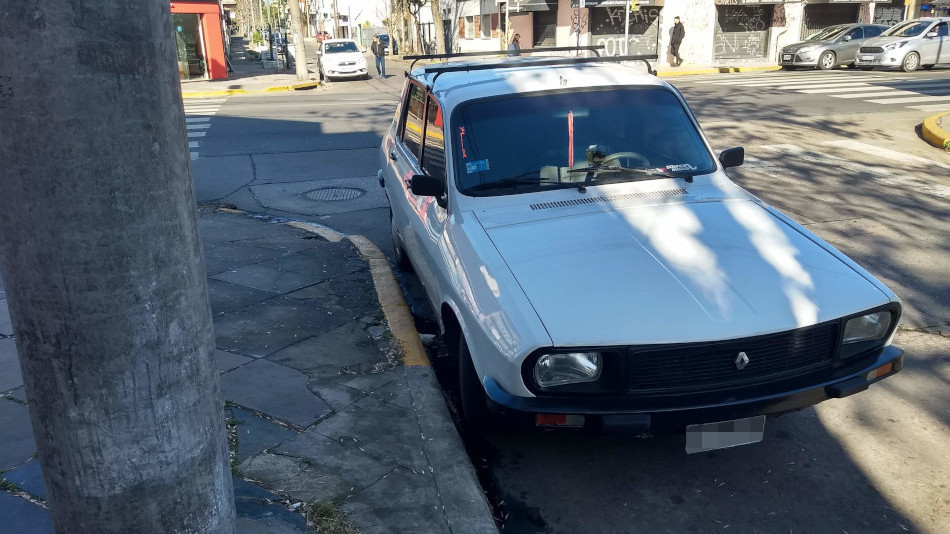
pixel 230 92
pixel 716 70
pixel 933 133
pixel 208 94
pixel 388 292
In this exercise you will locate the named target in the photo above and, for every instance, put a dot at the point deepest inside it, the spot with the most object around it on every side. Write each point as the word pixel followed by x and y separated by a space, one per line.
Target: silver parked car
pixel 908 45
pixel 830 47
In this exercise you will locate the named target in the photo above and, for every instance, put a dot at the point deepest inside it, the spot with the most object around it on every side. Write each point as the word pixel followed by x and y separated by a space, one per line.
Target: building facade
pixel 718 32
pixel 199 40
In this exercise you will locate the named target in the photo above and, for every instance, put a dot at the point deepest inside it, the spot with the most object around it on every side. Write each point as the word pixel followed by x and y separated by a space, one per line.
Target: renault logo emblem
pixel 741 361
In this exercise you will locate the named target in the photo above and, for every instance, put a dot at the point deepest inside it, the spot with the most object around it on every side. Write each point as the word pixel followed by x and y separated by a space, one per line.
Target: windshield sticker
pixel 681 167
pixel 570 138
pixel 476 166
pixel 462 143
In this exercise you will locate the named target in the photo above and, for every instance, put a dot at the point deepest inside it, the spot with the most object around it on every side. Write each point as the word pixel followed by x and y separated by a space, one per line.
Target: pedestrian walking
pixel 677 32
pixel 379 50
pixel 514 48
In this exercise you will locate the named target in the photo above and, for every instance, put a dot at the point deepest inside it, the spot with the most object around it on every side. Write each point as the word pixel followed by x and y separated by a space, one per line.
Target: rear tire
pixel 827 61
pixel 474 412
pixel 911 62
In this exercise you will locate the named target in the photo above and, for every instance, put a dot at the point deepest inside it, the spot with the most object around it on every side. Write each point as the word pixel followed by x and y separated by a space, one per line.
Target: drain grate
pixel 334 194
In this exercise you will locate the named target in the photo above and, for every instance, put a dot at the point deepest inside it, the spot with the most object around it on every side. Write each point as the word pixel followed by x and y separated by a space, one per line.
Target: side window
pixel 943 29
pixel 412 132
pixel 857 33
pixel 873 31
pixel 433 153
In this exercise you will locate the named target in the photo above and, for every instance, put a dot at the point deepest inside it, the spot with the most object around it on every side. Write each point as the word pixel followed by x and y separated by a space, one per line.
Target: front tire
pixel 788 67
pixel 399 253
pixel 911 62
pixel 827 61
pixel 866 68
pixel 929 67
pixel 474 412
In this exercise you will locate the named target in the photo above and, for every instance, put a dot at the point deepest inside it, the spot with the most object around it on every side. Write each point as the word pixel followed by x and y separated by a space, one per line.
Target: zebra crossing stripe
pixel 197 119
pixel 198 126
pixel 910 100
pixel 196 134
pixel 934 107
pixel 890 86
pixel 892 155
pixel 817 82
pixel 802 87
pixel 942 91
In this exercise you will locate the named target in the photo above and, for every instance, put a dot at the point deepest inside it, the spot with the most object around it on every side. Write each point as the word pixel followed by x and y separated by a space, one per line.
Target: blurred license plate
pixel 867 58
pixel 787 57
pixel 711 436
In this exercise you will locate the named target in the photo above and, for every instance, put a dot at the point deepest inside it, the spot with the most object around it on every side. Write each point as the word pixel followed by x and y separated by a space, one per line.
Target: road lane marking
pixel 196 134
pixel 892 155
pixel 911 100
pixel 198 126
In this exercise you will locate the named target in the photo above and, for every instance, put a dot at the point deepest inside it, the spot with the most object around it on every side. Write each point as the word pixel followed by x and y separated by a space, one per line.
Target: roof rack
pixel 554 61
pixel 595 49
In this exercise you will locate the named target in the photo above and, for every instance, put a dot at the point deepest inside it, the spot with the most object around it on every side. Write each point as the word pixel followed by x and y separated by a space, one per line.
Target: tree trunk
pixel 438 27
pixel 300 48
pixel 103 270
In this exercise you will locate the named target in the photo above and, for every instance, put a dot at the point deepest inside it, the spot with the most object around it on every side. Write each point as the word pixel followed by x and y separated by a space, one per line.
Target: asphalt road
pixel 852 169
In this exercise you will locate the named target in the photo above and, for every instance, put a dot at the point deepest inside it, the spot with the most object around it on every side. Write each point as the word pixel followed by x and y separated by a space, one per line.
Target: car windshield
pixel 346 46
pixel 908 29
pixel 527 143
pixel 828 34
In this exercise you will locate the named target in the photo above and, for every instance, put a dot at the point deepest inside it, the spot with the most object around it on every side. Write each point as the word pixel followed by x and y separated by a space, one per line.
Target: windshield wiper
pixel 636 170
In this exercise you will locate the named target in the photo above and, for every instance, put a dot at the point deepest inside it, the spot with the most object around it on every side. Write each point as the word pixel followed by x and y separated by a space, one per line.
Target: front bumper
pixel 346 72
pixel 888 58
pixel 625 414
pixel 794 59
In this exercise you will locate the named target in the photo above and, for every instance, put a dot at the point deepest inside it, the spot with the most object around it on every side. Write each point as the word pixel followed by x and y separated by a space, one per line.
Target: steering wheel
pixel 616 156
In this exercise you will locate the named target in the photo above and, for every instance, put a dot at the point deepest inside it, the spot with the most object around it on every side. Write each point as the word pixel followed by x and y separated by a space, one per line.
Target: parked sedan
pixel 341 58
pixel 830 47
pixel 592 265
pixel 909 45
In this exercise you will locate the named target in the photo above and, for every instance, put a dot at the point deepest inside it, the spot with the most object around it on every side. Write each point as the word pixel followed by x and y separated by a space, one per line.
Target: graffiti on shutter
pixel 607 30
pixel 742 32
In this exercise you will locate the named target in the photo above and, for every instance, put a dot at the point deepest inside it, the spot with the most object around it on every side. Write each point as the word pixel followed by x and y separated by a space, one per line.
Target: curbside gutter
pixel 933 132
pixel 273 89
pixel 716 70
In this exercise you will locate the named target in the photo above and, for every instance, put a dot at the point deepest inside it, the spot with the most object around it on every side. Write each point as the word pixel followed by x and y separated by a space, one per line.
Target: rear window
pixel 535 142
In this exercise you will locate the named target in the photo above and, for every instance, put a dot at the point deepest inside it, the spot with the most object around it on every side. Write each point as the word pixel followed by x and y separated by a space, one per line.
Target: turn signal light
pixel 881 371
pixel 559 420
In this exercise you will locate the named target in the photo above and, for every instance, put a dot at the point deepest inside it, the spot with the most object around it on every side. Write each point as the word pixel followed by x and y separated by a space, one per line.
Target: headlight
pixel 870 327
pixel 567 368
pixel 894 46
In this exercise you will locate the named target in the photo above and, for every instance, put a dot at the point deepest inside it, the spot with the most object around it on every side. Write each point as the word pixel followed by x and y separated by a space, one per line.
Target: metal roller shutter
pixel 742 32
pixel 606 25
pixel 820 16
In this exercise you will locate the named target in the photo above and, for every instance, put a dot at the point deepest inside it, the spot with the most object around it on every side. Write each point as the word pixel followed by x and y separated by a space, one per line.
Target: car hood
pixel 881 41
pixel 798 46
pixel 342 57
pixel 675 272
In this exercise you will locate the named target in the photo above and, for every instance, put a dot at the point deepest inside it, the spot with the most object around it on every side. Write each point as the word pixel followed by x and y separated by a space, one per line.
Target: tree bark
pixel 103 270
pixel 300 48
pixel 438 27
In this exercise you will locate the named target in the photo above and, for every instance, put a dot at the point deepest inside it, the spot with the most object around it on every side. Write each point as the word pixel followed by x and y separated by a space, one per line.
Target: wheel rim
pixel 911 61
pixel 827 61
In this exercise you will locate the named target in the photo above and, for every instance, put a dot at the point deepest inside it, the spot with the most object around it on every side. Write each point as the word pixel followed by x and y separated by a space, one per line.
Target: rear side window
pixel 942 29
pixel 412 133
pixel 857 33
pixel 433 153
pixel 873 31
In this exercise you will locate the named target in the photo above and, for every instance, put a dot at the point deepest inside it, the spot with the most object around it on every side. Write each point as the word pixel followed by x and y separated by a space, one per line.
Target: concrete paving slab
pixel 218 176
pixel 268 278
pixel 317 165
pixel 399 502
pixel 220 227
pixel 23 517
pixel 275 390
pixel 345 349
pixel 353 292
pixel 6 327
pixel 266 327
pixel 311 479
pixel 227 297
pixel 395 392
pixel 16 435
pixel 344 459
pixel 227 361
pixel 385 431
pixel 255 517
pixel 331 261
pixel 29 478
pixel 332 390
pixel 223 256
pixel 287 240
pixel 255 434
pixel 10 376
pixel 292 197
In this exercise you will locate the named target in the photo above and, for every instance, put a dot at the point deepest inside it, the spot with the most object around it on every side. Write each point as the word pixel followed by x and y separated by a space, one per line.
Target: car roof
pixel 339 41
pixel 520 75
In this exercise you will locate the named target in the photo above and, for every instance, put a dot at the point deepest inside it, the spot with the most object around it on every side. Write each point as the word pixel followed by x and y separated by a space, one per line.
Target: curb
pixel 273 89
pixel 716 70
pixel 933 133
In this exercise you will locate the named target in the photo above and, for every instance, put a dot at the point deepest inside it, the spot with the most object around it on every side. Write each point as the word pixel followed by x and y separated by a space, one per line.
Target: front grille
pixel 347 63
pixel 701 367
pixel 872 50
pixel 608 198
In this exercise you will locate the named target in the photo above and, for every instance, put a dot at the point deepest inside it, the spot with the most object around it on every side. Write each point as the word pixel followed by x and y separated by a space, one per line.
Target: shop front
pixel 199 40
pixel 742 29
pixel 608 17
pixel 819 14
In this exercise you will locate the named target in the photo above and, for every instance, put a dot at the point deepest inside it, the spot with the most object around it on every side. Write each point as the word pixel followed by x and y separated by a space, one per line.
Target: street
pixel 836 151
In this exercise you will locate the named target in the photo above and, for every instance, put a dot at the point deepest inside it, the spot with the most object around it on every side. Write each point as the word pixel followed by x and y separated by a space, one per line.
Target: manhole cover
pixel 333 194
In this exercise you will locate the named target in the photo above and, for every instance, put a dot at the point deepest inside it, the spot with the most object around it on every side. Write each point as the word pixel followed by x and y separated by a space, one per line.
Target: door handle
pixel 393 156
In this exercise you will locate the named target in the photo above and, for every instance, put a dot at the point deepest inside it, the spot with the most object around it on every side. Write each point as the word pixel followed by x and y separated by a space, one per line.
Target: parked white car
pixel 342 58
pixel 592 265
pixel 909 45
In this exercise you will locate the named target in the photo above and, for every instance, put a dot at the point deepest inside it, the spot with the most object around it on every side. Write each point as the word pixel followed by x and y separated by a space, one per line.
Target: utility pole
pixel 438 27
pixel 336 22
pixel 103 271
pixel 300 48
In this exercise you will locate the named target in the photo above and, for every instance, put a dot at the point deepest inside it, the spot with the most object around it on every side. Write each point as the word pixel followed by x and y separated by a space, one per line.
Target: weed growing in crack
pixel 328 518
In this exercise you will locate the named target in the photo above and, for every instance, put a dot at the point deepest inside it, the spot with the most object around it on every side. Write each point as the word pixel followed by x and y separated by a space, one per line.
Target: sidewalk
pixel 323 415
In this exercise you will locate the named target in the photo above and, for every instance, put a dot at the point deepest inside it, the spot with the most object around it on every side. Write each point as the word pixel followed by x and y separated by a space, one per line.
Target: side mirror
pixel 846 38
pixel 932 34
pixel 732 157
pixel 424 185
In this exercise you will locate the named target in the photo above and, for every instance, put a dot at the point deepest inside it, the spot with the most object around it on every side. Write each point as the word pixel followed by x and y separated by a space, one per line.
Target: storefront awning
pixel 746 2
pixel 517 6
pixel 614 3
pixel 838 1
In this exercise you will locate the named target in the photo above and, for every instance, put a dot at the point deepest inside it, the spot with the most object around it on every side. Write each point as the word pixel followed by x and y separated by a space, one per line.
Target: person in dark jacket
pixel 379 50
pixel 514 49
pixel 676 39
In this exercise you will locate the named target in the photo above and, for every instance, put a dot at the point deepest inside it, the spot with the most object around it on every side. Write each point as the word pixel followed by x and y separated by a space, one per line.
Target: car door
pixel 943 42
pixel 928 47
pixel 847 48
pixel 402 153
pixel 433 212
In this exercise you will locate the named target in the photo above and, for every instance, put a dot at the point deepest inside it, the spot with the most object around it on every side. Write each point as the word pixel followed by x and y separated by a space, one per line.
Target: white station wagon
pixel 593 266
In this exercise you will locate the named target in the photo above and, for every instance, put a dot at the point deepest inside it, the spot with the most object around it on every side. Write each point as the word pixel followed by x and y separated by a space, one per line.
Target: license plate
pixel 786 57
pixel 867 58
pixel 724 434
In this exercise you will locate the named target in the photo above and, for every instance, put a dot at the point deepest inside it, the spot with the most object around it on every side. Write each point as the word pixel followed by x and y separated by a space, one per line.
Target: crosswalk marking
pixel 892 155
pixel 872 88
pixel 198 115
